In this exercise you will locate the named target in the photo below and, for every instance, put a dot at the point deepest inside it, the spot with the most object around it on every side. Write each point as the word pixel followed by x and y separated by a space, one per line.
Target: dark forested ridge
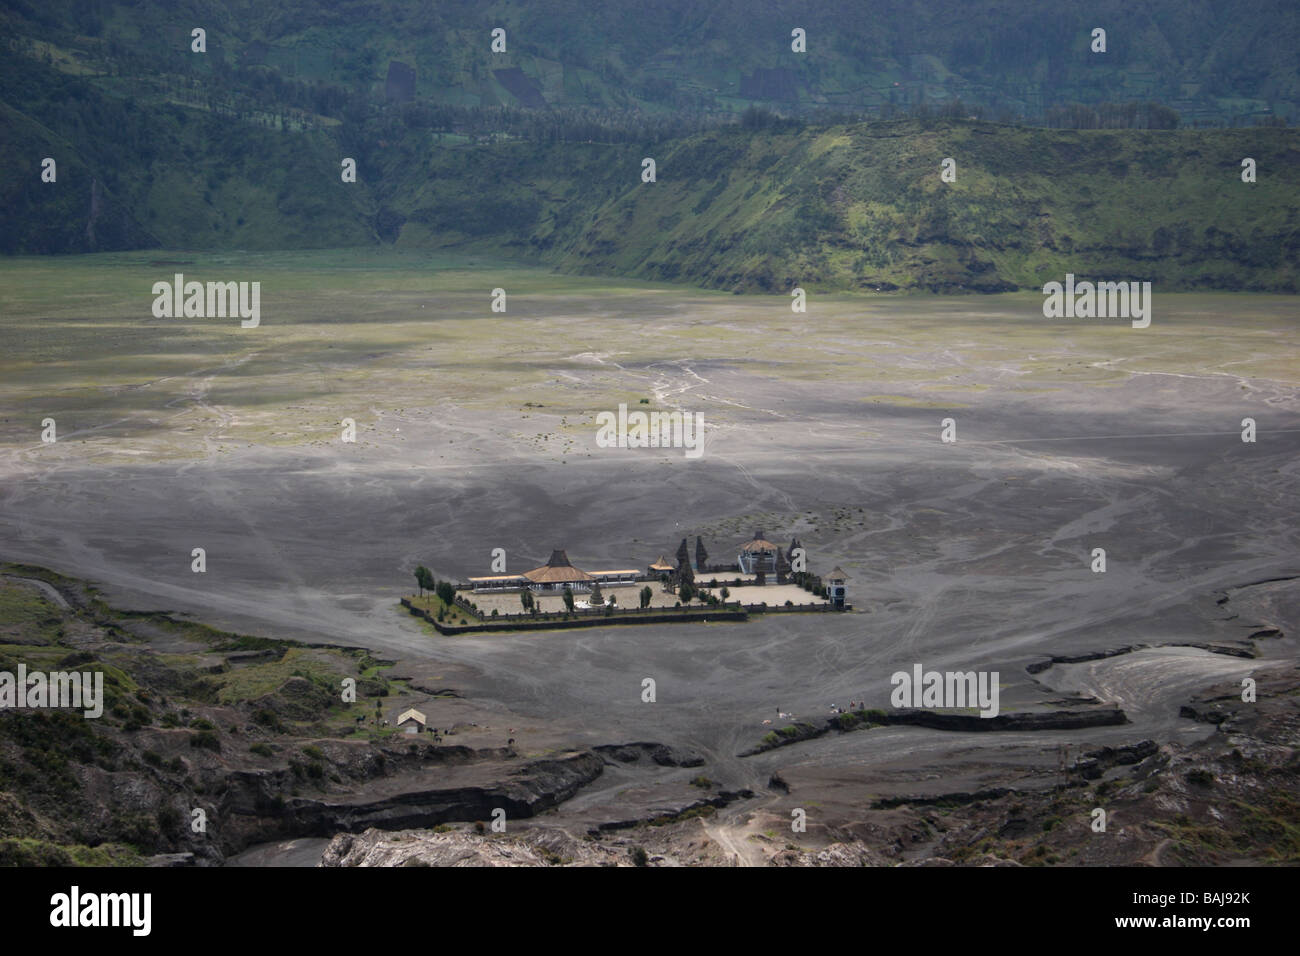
pixel 771 165
pixel 1217 61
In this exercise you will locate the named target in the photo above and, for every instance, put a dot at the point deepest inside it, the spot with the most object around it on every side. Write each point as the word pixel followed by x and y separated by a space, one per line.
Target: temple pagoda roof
pixel 758 543
pixel 558 570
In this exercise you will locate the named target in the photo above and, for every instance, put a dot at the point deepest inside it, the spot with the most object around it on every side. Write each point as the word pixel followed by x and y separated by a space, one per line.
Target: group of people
pixel 853 705
pixel 835 709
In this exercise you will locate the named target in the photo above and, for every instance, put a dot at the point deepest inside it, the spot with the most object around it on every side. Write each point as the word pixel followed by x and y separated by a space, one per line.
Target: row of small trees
pixel 686 593
pixel 425 581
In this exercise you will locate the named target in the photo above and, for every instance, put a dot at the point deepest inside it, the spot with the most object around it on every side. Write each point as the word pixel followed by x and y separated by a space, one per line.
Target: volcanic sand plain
pixel 476 430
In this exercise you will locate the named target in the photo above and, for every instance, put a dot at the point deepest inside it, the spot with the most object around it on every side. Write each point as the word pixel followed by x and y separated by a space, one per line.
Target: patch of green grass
pixel 266 677
pixel 26 612
pixel 25 852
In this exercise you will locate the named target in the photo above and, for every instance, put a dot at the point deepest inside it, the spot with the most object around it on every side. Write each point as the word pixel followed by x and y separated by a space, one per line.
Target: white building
pixel 835 589
pixel 553 576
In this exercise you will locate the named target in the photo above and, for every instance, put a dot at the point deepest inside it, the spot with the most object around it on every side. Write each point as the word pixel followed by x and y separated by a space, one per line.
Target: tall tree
pixel 646 596
pixel 568 597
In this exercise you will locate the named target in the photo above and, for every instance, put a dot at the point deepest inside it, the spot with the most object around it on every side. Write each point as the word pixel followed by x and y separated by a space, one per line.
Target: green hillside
pixel 158 147
pixel 864 206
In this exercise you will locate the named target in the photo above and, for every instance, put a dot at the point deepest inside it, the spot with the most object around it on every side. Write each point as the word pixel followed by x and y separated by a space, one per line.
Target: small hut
pixel 412 721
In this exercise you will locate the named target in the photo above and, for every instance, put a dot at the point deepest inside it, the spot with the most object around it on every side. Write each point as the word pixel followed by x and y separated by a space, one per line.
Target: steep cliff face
pixel 257 811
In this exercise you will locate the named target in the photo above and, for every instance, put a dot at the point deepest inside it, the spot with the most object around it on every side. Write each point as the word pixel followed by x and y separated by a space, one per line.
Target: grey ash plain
pixel 966 556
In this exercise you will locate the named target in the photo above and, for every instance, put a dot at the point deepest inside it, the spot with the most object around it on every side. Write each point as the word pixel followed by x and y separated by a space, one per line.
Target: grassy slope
pixel 863 206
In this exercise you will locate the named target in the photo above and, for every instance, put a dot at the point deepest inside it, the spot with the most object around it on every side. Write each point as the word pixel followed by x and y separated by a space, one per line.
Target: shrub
pixel 169 821
pixel 1200 777
pixel 639 856
pixel 205 739
pixel 262 750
